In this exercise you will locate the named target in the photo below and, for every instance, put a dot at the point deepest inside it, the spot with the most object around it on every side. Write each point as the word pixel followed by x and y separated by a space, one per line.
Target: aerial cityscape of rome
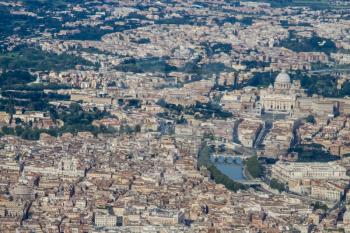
pixel 146 116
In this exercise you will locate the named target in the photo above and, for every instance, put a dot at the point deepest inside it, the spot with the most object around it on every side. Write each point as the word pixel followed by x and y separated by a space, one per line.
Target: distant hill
pixel 316 4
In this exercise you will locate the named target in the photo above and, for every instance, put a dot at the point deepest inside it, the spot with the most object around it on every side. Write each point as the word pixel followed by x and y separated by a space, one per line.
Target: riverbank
pixel 246 173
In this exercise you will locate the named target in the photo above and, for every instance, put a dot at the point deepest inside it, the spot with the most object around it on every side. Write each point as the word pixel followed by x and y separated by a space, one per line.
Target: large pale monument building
pixel 282 96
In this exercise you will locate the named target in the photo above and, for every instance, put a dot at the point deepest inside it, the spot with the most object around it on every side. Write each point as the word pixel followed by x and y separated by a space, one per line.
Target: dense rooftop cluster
pixel 118 116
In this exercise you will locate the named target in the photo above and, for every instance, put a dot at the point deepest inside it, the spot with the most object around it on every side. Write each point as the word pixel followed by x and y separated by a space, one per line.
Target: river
pixel 233 169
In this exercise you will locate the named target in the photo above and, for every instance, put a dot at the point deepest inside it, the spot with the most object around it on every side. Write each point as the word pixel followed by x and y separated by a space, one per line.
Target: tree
pixel 53 114
pixel 128 129
pixel 137 128
pixel 222 148
pixel 135 103
pixel 319 205
pixel 182 120
pixel 162 103
pixel 30 134
pixel 275 184
pixel 10 109
pixel 310 119
pixel 7 130
pixel 18 121
pixel 313 153
pixel 19 130
pixel 204 156
pixel 254 167
pixel 345 91
pixel 75 107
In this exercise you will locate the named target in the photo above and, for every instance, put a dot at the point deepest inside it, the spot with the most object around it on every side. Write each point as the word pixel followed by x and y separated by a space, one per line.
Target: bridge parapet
pixel 224 156
pixel 255 182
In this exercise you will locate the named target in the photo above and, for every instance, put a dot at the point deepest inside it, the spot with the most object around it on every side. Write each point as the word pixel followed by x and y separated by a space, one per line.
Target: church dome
pixel 282 77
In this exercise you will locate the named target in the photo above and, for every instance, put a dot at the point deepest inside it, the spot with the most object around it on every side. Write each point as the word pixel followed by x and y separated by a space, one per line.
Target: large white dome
pixel 282 77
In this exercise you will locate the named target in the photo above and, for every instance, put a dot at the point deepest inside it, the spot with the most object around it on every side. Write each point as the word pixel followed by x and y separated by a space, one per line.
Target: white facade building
pixel 281 97
pixel 297 171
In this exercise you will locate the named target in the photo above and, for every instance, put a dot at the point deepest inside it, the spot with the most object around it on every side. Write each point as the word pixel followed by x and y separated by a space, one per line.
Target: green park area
pixel 313 153
pixel 25 58
pixel 254 167
pixel 19 91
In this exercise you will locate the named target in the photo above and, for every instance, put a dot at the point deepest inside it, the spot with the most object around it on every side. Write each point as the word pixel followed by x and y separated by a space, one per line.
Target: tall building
pixel 282 96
